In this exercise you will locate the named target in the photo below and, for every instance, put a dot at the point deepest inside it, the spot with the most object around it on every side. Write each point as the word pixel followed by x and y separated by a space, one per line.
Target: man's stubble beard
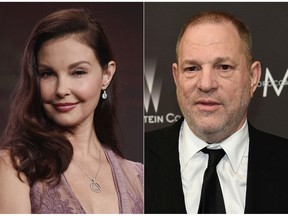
pixel 213 131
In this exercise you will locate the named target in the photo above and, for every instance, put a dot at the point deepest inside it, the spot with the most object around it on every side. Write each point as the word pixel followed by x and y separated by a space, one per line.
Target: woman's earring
pixel 104 95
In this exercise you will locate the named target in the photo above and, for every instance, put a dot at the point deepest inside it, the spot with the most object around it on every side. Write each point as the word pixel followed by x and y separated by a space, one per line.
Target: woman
pixel 59 151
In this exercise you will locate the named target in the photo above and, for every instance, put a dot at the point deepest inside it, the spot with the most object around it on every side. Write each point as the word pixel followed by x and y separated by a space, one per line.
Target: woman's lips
pixel 65 107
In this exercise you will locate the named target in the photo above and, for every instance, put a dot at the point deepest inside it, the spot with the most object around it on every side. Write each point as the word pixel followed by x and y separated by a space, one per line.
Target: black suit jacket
pixel 267 179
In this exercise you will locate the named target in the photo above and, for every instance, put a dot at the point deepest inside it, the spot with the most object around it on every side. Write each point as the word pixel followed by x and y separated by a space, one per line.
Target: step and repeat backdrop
pixel 123 23
pixel 268 25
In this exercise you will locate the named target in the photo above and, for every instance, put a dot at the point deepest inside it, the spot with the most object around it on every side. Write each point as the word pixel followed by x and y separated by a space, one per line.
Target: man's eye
pixel 191 69
pixel 225 67
pixel 225 70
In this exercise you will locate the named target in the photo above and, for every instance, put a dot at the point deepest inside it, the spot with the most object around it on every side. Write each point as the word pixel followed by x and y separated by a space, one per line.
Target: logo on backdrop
pixel 153 86
pixel 269 81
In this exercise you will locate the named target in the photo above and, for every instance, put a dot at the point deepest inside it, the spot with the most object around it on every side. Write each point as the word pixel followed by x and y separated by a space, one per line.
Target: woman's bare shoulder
pixel 5 161
pixel 14 193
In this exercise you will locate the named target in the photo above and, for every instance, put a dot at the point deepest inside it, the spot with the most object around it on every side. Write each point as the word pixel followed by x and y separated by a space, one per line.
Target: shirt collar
pixel 189 144
pixel 235 146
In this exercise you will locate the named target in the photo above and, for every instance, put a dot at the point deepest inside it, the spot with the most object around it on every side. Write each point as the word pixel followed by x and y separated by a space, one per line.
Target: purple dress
pixel 60 199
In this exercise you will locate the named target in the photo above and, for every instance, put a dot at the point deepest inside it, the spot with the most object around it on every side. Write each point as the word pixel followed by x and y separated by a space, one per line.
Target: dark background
pixel 123 23
pixel 268 25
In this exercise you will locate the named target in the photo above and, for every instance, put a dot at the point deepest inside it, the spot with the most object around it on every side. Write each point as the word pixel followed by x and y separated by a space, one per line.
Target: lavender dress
pixel 128 178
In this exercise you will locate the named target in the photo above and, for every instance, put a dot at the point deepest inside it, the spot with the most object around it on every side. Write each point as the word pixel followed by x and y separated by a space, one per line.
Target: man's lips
pixel 65 107
pixel 207 104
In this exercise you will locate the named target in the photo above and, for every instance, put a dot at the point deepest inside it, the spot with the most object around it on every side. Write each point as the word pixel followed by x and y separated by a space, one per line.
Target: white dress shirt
pixel 232 169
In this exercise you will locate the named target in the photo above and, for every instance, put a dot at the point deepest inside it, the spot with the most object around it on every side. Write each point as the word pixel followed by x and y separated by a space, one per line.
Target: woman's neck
pixel 84 141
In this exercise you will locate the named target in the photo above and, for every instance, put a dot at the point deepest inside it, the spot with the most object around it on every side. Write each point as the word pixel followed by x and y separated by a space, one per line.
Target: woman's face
pixel 71 80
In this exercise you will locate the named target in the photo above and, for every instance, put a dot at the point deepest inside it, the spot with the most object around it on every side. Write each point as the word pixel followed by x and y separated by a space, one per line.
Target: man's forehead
pixel 209 34
pixel 227 26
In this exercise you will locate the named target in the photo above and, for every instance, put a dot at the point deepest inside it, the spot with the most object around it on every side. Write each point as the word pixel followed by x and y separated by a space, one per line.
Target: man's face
pixel 214 80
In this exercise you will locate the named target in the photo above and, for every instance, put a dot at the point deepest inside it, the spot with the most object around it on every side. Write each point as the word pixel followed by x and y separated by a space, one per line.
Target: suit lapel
pixel 167 169
pixel 261 192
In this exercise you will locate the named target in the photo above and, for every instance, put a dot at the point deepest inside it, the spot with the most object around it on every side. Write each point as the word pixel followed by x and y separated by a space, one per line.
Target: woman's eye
pixel 45 74
pixel 79 72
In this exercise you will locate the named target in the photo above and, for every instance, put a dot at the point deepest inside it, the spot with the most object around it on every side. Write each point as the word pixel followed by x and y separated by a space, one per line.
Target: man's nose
pixel 207 80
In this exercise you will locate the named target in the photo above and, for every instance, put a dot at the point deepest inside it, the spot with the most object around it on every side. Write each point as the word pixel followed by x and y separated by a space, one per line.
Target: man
pixel 215 79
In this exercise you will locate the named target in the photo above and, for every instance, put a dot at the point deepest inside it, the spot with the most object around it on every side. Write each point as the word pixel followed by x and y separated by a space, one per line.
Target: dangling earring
pixel 104 95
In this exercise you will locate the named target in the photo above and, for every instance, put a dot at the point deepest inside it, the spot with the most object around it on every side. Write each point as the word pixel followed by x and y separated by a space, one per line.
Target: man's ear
pixel 175 72
pixel 255 76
